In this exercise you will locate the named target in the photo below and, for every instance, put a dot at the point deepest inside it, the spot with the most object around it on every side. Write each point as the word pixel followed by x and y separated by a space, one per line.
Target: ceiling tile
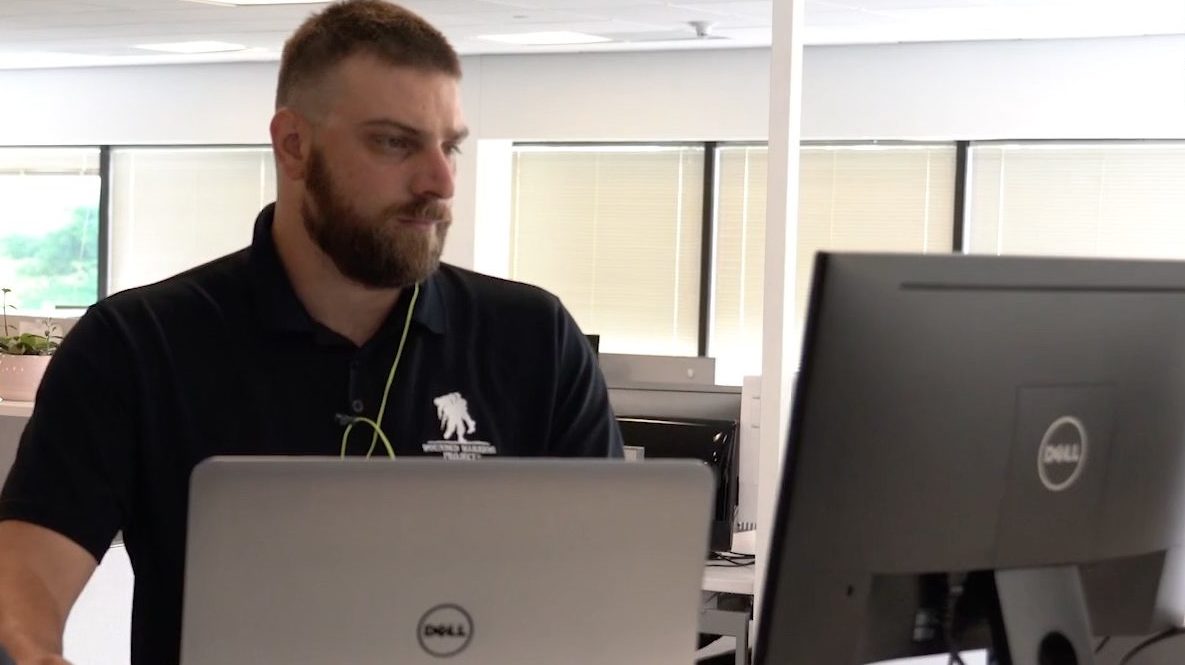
pixel 114 25
pixel 757 9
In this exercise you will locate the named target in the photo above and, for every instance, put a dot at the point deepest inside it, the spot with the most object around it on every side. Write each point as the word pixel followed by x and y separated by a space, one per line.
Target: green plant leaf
pixel 27 344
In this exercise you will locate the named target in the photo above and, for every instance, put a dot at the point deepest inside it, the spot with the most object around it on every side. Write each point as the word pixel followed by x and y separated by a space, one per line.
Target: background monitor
pixel 983 451
pixel 713 442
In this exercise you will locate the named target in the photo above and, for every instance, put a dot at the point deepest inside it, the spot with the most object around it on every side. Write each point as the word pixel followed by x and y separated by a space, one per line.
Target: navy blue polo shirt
pixel 224 360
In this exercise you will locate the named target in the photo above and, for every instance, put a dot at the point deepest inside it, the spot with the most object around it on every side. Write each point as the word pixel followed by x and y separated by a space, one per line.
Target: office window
pixel 49 227
pixel 891 198
pixel 176 208
pixel 615 232
pixel 1082 199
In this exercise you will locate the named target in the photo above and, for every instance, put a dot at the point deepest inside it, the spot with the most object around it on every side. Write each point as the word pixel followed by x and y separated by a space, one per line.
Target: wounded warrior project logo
pixel 1062 454
pixel 453 412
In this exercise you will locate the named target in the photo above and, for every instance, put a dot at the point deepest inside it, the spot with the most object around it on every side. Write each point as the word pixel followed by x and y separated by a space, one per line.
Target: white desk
pixel 11 408
pixel 714 620
pixel 730 579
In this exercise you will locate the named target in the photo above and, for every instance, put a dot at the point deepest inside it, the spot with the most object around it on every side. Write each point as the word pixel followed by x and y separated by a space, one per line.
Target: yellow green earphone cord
pixel 377 426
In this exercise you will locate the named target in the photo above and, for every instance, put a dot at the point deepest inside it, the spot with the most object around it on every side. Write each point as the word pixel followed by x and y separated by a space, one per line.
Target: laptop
pixel 304 561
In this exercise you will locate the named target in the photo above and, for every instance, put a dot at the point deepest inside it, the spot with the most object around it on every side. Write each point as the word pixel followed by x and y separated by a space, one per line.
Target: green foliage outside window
pixel 58 267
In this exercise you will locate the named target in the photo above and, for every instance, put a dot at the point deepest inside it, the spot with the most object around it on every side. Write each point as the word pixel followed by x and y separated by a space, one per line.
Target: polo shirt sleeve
pixel 585 425
pixel 73 468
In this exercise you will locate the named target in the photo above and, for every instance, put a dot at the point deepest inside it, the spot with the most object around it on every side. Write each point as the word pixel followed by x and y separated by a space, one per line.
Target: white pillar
pixel 780 344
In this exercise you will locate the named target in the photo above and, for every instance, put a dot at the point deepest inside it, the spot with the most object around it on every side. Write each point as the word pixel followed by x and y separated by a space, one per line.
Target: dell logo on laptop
pixel 445 630
pixel 1062 454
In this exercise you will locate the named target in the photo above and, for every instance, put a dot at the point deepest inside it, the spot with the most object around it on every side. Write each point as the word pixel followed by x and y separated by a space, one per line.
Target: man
pixel 338 311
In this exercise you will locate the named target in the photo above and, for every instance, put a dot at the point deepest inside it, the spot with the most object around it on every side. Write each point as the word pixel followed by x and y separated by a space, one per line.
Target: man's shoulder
pixel 210 287
pixel 468 288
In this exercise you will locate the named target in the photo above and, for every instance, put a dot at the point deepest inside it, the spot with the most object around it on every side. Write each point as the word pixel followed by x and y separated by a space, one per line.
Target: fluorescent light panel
pixel 192 47
pixel 546 38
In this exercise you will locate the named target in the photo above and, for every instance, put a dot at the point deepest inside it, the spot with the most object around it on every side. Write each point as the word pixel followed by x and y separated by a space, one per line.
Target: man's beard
pixel 377 252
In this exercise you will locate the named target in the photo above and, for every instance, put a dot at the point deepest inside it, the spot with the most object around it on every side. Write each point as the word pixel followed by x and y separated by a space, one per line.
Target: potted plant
pixel 23 356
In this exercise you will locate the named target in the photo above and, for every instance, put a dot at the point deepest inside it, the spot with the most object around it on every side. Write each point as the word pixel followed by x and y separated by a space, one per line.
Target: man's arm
pixel 585 425
pixel 41 575
pixel 68 491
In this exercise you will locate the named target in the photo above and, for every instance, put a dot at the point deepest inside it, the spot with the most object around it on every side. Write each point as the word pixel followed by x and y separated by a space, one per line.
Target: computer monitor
pixel 1011 428
pixel 711 441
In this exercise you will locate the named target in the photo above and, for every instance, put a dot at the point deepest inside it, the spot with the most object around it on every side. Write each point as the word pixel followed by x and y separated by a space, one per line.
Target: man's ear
pixel 292 138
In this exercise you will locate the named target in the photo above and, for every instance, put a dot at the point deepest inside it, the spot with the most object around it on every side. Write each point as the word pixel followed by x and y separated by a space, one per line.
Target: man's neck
pixel 353 311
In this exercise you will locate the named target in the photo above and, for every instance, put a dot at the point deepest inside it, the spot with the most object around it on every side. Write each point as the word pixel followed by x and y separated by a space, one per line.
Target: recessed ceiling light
pixel 192 47
pixel 546 38
pixel 245 3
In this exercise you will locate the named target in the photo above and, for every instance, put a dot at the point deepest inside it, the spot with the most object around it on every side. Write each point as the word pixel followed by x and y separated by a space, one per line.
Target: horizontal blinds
pixel 896 198
pixel 615 232
pixel 1101 199
pixel 176 208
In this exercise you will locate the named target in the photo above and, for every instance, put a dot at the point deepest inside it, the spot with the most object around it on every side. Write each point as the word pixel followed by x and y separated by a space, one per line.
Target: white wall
pixel 1100 88
pixel 1076 89
pixel 1103 88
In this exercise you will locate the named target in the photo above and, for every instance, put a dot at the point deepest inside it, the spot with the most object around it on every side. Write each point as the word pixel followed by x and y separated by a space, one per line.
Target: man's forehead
pixel 372 91
pixel 369 70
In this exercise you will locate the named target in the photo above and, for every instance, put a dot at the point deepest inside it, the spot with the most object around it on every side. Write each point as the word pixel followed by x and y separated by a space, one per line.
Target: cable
pixel 732 556
pixel 378 430
pixel 1155 639
pixel 1102 643
pixel 377 425
pixel 730 560
pixel 956 582
pixel 378 434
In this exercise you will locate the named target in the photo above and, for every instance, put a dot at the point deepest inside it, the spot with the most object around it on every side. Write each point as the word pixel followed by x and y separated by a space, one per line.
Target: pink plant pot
pixel 20 376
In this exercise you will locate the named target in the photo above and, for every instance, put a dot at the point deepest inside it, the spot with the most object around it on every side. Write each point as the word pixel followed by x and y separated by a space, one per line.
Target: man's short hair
pixel 384 30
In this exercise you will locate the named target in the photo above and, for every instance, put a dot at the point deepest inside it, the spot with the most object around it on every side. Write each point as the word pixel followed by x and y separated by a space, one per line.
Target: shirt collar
pixel 281 311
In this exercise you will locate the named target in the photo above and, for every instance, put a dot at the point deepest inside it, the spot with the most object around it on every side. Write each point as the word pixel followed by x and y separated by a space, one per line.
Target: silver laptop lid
pixel 315 560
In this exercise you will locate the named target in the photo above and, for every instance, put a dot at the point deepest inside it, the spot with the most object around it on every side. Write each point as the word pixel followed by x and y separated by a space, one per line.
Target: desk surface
pixel 730 579
pixel 11 408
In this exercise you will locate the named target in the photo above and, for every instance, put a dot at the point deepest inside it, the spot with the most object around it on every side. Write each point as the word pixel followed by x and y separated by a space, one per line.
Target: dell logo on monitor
pixel 1062 454
pixel 445 630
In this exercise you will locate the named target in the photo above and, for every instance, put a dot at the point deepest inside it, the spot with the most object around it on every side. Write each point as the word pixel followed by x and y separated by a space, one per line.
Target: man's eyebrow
pixel 387 123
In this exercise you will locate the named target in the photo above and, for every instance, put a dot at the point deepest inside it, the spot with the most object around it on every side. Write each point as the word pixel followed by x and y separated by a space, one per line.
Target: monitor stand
pixel 1044 617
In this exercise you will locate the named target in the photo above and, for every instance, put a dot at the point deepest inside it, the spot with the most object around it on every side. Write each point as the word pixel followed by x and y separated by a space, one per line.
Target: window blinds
pixel 886 198
pixel 1088 199
pixel 615 232
pixel 176 208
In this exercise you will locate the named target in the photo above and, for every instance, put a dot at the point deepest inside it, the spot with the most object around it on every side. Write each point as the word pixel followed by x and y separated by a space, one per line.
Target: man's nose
pixel 435 175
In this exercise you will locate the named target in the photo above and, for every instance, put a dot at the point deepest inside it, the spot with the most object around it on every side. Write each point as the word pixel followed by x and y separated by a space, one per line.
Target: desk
pixel 730 579
pixel 11 408
pixel 717 620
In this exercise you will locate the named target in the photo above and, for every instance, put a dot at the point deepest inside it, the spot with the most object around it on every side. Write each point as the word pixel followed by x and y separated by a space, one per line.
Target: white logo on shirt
pixel 453 411
pixel 455 421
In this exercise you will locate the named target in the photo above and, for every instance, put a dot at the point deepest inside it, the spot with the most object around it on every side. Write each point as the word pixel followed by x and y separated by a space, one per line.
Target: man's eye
pixel 452 150
pixel 393 143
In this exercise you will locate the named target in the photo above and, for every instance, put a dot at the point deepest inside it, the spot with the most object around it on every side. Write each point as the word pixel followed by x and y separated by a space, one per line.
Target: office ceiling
pixel 44 33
